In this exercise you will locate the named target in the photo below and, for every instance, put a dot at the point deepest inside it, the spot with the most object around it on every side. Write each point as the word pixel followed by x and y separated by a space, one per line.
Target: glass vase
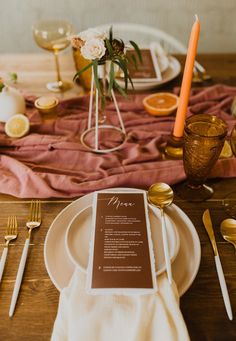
pixel 102 134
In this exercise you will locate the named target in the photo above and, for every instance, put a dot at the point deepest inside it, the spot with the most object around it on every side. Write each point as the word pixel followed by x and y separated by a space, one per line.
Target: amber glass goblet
pixel 204 137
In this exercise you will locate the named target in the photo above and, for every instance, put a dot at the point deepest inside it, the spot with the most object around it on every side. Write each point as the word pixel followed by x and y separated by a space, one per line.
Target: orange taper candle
pixel 187 80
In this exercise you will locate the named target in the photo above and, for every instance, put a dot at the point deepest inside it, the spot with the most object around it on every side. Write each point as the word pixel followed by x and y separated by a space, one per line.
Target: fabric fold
pixel 109 317
pixel 52 162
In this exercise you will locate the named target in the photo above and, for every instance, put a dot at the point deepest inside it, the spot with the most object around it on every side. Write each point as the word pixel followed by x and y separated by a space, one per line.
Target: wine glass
pixel 204 137
pixel 229 201
pixel 53 36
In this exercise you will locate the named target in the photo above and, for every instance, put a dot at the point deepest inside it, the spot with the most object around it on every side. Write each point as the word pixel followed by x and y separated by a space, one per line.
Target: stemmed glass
pixel 53 36
pixel 204 137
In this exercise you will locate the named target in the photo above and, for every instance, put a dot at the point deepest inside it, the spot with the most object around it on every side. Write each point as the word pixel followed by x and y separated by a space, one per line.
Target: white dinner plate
pixel 171 72
pixel 60 268
pixel 163 62
pixel 77 239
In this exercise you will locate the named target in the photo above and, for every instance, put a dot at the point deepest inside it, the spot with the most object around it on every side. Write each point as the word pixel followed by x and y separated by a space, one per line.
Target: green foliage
pixel 137 50
pixel 13 77
pixel 82 70
pixel 2 85
pixel 95 70
pixel 115 53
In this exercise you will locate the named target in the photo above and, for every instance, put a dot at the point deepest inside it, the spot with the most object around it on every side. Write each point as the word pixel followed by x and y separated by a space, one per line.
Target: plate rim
pixel 155 212
pixel 190 225
pixel 197 248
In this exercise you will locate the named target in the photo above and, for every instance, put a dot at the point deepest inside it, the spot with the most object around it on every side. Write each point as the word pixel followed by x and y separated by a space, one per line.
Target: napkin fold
pixel 83 317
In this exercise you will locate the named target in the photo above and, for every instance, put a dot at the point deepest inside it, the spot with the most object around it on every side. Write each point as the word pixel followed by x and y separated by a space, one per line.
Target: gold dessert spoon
pixel 228 231
pixel 161 195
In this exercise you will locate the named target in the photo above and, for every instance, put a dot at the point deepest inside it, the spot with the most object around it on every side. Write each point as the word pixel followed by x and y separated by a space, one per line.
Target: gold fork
pixel 203 75
pixel 11 233
pixel 196 77
pixel 33 222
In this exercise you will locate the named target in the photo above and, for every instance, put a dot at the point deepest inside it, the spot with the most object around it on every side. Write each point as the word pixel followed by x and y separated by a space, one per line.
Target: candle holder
pixel 174 147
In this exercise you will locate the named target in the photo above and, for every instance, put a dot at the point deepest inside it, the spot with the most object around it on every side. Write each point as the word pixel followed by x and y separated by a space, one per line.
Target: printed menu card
pixel 121 257
pixel 147 70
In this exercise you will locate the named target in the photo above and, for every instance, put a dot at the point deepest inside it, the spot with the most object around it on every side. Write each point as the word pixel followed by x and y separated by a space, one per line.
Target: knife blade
pixel 206 218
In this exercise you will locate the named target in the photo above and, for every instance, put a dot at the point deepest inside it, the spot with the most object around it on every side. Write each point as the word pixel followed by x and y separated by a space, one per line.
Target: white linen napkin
pixel 83 317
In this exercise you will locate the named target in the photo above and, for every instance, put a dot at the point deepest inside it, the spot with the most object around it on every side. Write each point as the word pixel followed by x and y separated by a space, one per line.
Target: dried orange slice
pixel 226 151
pixel 161 104
pixel 17 126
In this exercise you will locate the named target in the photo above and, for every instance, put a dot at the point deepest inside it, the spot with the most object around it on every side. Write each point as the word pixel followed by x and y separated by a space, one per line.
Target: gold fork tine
pixel 39 211
pixel 36 210
pixel 12 225
pixel 31 211
pixel 9 230
pixel 15 226
pixel 9 225
pixel 11 234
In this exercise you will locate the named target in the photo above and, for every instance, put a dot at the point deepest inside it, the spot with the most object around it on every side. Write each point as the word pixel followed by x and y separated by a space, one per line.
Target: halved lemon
pixel 17 126
pixel 161 104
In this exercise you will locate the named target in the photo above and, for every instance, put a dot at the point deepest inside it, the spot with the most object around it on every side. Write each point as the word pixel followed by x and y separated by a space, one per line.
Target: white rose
pixel 93 49
pixel 92 33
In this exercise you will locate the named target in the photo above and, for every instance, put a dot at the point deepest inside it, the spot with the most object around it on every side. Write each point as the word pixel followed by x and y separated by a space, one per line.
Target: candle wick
pixel 196 17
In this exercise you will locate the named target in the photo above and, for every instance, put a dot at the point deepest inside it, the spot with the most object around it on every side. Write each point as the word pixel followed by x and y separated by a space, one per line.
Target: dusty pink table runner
pixel 51 162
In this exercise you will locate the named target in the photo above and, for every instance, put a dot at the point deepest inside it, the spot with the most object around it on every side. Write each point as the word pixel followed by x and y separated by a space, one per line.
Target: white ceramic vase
pixel 11 102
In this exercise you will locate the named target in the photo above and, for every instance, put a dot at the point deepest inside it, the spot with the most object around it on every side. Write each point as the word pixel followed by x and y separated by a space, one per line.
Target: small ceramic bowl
pixel 161 103
pixel 46 104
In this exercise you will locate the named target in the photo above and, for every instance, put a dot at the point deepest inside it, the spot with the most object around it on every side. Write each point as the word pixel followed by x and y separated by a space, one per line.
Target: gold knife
pixel 206 218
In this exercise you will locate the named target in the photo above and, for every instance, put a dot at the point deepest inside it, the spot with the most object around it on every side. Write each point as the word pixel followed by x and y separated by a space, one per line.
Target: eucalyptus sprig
pixel 12 79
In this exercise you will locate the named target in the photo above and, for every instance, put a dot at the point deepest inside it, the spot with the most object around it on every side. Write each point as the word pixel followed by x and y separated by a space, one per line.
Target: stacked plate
pixel 167 68
pixel 67 243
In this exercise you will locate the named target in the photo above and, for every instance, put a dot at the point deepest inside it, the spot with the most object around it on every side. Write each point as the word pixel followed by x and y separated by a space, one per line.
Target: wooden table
pixel 202 305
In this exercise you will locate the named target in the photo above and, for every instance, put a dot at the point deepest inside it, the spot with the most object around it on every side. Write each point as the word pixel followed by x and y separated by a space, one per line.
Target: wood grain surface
pixel 202 306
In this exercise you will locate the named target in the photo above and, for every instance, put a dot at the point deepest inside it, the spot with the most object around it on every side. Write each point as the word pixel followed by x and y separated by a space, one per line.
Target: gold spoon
pixel 228 231
pixel 161 195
